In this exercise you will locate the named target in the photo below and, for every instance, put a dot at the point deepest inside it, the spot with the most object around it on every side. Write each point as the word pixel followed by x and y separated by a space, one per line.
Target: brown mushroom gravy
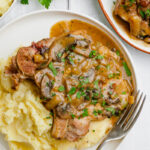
pixel 81 75
pixel 136 17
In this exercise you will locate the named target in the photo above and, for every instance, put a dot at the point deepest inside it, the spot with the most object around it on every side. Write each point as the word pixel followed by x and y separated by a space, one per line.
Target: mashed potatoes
pixel 4 6
pixel 26 123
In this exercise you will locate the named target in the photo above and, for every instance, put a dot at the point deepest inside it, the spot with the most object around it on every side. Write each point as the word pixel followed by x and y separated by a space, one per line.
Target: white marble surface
pixel 139 136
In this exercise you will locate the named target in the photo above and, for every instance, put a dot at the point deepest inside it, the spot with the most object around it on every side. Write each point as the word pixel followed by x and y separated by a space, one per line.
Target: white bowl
pixel 36 25
pixel 107 8
pixel 9 9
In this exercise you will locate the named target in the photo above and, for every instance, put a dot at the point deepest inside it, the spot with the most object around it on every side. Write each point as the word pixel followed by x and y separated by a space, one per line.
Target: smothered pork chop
pixel 81 76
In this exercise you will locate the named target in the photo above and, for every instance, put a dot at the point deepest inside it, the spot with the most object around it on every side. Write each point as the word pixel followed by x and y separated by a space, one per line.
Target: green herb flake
pixel 61 88
pixel 78 95
pixel 72 91
pixel 25 2
pixel 45 3
pixel 85 112
pixel 110 76
pixel 72 116
pixel 53 94
pixel 142 13
pixel 69 98
pixel 97 67
pixel 51 114
pixel 103 103
pixel 110 109
pixel 95 113
pixel 96 84
pixel 71 60
pixel 147 12
pixel 93 130
pixel 73 47
pixel 128 72
pixel 99 57
pixel 118 53
pixel 108 67
pixel 63 60
pixel 48 117
pixel 99 111
pixel 92 54
pixel 124 93
pixel 94 101
pixel 59 54
pixel 54 71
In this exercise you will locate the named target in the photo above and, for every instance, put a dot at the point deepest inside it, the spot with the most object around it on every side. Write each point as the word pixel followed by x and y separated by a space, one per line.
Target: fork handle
pixel 101 145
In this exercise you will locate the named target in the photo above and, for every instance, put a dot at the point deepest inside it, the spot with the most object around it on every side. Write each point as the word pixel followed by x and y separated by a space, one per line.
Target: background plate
pixel 107 10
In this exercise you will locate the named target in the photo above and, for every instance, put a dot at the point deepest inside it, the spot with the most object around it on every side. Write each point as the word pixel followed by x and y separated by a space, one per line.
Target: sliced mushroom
pixel 39 75
pixel 46 86
pixel 110 101
pixel 65 110
pixel 25 60
pixel 90 74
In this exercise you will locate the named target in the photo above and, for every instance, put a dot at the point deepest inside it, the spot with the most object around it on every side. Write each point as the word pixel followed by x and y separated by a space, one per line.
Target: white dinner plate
pixel 107 8
pixel 36 26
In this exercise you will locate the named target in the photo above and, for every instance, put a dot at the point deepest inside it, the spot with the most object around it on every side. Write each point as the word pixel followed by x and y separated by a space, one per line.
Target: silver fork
pixel 126 121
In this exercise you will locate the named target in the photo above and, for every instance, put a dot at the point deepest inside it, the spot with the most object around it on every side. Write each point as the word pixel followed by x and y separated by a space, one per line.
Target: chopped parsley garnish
pixel 72 91
pixel 147 12
pixel 99 56
pixel 95 113
pixel 63 60
pixel 97 67
pixel 99 111
pixel 94 101
pixel 108 67
pixel 128 72
pixel 92 54
pixel 103 103
pixel 61 88
pixel 118 53
pixel 85 112
pixel 54 71
pixel 78 95
pixel 124 93
pixel 71 60
pixel 73 47
pixel 53 94
pixel 59 54
pixel 47 84
pixel 72 116
pixel 110 75
pixel 24 2
pixel 45 3
pixel 51 113
pixel 110 109
pixel 110 92
pixel 69 97
pixel 142 13
pixel 93 130
pixel 48 117
pixel 96 84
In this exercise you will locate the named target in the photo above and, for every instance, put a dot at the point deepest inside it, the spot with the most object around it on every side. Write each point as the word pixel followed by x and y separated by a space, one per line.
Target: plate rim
pixel 113 26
